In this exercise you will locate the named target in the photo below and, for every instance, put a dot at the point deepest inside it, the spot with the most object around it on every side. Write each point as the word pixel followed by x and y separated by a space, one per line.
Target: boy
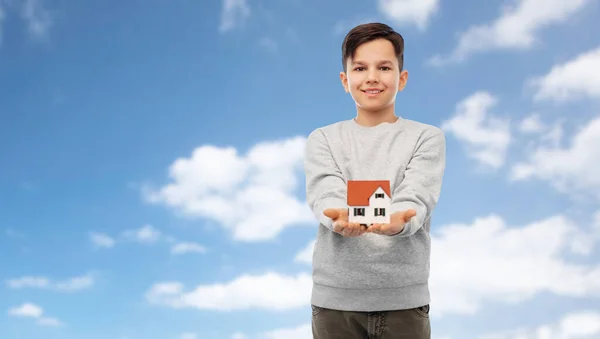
pixel 372 282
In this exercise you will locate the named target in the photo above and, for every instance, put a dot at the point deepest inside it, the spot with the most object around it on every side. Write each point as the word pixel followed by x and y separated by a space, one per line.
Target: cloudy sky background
pixel 151 183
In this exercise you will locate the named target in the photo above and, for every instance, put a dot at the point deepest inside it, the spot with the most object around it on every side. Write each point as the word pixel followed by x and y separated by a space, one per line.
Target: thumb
pixel 409 214
pixel 331 213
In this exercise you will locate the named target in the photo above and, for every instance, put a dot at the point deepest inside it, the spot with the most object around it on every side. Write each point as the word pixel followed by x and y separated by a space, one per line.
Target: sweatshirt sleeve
pixel 325 185
pixel 420 189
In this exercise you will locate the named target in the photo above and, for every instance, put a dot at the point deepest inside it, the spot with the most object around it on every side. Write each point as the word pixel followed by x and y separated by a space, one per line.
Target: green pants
pixel 400 324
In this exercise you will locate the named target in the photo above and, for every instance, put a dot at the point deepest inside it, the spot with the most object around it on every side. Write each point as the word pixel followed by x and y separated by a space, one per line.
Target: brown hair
pixel 368 32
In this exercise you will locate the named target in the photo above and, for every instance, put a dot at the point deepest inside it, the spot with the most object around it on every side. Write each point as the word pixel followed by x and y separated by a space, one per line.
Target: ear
pixel 403 80
pixel 344 80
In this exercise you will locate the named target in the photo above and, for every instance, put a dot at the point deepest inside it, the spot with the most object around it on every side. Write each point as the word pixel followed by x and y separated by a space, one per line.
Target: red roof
pixel 359 191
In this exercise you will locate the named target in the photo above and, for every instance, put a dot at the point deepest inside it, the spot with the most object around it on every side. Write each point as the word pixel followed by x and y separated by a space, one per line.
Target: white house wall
pixel 386 202
pixel 369 217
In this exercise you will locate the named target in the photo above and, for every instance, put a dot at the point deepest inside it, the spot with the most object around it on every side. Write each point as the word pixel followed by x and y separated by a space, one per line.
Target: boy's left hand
pixel 396 225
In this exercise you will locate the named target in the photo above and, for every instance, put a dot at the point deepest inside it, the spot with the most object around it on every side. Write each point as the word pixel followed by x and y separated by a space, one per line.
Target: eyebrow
pixel 358 62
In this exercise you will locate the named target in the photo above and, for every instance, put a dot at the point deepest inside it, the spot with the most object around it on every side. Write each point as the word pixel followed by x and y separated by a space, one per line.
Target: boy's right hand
pixel 341 224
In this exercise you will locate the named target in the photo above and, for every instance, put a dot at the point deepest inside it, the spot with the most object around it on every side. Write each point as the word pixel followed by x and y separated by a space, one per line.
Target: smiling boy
pixel 372 282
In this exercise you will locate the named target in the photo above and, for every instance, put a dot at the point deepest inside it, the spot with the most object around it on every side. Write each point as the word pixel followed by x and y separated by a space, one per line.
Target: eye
pixel 359 68
pixel 385 68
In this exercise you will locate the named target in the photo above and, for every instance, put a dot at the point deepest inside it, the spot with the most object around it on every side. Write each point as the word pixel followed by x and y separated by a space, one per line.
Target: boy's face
pixel 373 77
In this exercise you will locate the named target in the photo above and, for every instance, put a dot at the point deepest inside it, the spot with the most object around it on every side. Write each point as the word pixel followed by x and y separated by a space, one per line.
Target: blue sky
pixel 151 183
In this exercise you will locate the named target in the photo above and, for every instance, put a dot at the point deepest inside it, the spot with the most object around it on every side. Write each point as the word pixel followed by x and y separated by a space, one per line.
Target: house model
pixel 369 201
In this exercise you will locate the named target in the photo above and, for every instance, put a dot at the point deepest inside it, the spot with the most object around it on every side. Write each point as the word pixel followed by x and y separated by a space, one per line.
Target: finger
pixel 348 230
pixel 339 226
pixel 385 228
pixel 336 227
pixel 374 228
pixel 353 229
pixel 363 229
pixel 331 213
pixel 409 214
pixel 360 229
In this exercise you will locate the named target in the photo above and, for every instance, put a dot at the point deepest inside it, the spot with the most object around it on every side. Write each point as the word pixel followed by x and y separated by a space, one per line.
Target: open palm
pixel 396 225
pixel 341 224
pixel 348 229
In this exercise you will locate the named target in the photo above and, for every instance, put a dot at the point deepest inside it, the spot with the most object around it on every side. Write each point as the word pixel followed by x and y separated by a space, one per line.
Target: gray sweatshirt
pixel 374 272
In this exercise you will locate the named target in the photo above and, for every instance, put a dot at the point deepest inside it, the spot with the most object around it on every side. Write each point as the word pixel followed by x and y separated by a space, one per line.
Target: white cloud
pixel 488 262
pixel 146 234
pixel 167 293
pixel 577 325
pixel 409 12
pixel 100 240
pixel 69 285
pixel 518 262
pixel 472 265
pixel 38 19
pixel 239 335
pixel 187 247
pixel 572 169
pixel 305 256
pixel 516 28
pixel 53 322
pixel 300 332
pixel 269 291
pixel 34 282
pixel 485 136
pixel 531 124
pixel 537 133
pixel 26 310
pixel 574 79
pixel 75 284
pixel 2 18
pixel 234 14
pixel 29 310
pixel 553 134
pixel 254 195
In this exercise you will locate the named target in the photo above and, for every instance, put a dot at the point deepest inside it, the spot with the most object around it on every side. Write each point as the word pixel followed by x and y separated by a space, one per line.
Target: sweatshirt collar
pixel 381 127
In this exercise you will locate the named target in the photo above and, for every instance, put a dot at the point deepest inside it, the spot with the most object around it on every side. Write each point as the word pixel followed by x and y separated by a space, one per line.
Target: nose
pixel 372 76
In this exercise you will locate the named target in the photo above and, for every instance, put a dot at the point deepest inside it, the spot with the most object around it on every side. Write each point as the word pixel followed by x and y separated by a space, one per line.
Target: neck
pixel 370 118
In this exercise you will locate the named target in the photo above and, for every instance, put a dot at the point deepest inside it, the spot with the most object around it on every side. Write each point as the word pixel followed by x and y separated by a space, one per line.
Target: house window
pixel 380 212
pixel 359 212
pixel 378 195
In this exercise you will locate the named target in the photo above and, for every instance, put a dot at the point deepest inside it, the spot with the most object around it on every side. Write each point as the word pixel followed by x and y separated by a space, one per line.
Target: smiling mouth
pixel 375 91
